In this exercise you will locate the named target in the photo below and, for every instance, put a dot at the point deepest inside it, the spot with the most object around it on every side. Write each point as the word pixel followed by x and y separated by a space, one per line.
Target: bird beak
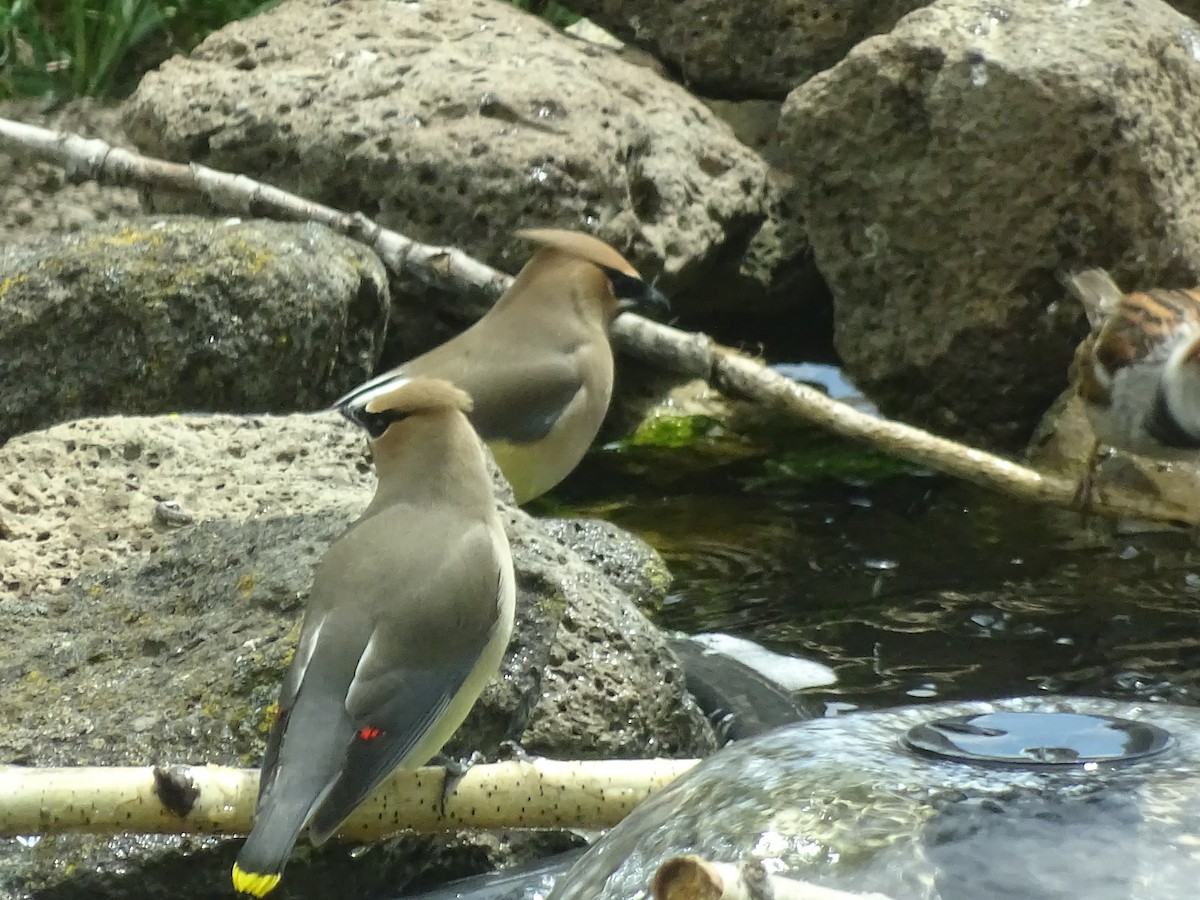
pixel 647 300
pixel 353 405
pixel 353 414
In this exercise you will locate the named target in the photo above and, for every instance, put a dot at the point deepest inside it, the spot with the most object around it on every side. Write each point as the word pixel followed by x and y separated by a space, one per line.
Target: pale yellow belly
pixel 536 467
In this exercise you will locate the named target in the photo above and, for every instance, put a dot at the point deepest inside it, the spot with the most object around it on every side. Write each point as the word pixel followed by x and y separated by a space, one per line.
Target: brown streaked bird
pixel 410 612
pixel 538 365
pixel 1138 371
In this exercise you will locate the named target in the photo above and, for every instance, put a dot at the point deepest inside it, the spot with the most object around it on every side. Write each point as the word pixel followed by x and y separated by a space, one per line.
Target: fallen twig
pixel 668 348
pixel 538 793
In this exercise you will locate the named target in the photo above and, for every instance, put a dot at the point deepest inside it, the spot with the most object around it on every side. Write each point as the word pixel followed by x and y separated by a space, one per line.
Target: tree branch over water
pixel 663 347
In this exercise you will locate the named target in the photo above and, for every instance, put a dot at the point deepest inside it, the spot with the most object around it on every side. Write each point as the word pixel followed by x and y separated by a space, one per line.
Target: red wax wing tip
pixel 369 733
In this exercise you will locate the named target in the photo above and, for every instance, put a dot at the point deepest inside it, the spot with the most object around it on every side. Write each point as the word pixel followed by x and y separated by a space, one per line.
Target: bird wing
pixel 524 409
pixel 416 664
pixel 421 700
pixel 516 398
pixel 1096 292
pixel 288 692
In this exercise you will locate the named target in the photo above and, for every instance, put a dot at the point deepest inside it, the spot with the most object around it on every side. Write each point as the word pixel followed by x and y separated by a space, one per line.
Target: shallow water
pixel 918 589
pixel 918 828
pixel 913 587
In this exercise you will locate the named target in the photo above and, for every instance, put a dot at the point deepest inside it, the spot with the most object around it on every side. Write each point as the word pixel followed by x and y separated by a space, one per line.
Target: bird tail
pixel 297 780
pixel 1098 293
pixel 260 864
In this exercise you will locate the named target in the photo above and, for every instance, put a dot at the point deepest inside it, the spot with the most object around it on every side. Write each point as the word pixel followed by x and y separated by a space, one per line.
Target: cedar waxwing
pixel 538 365
pixel 409 616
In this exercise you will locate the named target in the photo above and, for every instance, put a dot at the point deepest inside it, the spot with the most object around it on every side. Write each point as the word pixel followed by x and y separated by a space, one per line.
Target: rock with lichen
pixel 170 314
pixel 458 122
pixel 154 575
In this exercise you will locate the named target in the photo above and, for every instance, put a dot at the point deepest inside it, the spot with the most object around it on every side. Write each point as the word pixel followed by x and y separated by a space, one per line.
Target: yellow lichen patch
pixel 129 237
pixel 11 282
pixel 246 584
pixel 270 714
pixel 39 684
pixel 95 590
pixel 253 258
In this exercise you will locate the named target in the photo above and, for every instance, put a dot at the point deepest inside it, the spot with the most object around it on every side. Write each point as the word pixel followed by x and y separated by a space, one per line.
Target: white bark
pixel 539 793
pixel 667 348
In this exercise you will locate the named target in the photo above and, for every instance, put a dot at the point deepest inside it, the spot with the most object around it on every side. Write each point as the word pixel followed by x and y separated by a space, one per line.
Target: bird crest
pixel 583 246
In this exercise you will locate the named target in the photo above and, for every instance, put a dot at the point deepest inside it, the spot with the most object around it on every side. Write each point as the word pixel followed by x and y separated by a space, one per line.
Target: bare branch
pixel 538 793
pixel 738 375
pixel 693 355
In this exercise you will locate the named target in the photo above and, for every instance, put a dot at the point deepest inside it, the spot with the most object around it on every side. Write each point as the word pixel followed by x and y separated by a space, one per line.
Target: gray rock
pixel 1062 443
pixel 947 171
pixel 746 50
pixel 458 122
pixel 131 641
pixel 841 802
pixel 170 314
pixel 636 568
pixel 753 121
pixel 768 278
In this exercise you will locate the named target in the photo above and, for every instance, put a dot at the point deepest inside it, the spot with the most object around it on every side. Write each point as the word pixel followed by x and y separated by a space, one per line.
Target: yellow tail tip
pixel 253 884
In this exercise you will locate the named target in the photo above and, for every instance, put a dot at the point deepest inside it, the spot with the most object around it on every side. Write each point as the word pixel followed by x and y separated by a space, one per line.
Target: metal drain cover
pixel 1037 739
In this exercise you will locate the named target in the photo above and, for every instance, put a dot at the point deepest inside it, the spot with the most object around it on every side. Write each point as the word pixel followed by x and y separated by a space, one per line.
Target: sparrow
pixel 1137 372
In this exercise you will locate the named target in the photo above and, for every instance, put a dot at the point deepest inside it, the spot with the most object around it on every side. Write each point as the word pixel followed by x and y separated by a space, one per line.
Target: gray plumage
pixel 538 366
pixel 409 615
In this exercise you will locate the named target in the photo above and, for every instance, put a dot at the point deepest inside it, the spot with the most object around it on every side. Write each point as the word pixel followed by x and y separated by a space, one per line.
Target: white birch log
pixel 694 355
pixel 538 793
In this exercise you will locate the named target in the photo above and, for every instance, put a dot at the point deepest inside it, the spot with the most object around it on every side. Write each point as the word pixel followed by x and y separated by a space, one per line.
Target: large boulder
pixel 458 122
pixel 719 47
pixel 154 574
pixel 948 171
pixel 169 314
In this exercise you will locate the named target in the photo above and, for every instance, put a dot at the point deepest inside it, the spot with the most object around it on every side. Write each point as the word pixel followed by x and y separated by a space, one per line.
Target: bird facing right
pixel 538 366
pixel 1138 371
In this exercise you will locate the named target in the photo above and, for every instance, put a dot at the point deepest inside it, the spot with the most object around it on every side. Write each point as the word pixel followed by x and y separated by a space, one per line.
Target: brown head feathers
pixel 581 245
pixel 380 403
pixel 420 395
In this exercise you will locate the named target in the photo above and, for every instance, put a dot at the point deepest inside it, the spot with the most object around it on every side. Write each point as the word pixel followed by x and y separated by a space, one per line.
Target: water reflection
pixel 917 587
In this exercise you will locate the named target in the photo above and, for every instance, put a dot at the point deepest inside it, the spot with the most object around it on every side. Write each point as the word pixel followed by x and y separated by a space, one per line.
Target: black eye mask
pixel 633 293
pixel 375 423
